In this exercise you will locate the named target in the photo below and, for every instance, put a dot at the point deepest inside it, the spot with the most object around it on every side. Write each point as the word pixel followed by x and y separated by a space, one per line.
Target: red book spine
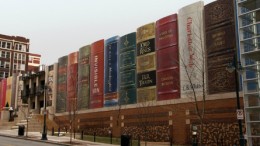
pixel 97 74
pixel 3 93
pixel 72 71
pixel 168 76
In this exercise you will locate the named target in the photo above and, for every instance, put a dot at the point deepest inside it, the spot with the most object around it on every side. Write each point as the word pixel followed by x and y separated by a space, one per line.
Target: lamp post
pixel 44 133
pixel 236 67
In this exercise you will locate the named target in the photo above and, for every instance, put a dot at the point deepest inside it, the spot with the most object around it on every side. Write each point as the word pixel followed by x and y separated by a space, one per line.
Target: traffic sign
pixel 240 114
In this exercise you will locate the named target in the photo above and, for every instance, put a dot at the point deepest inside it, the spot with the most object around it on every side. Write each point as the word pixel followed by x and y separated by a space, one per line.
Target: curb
pixel 38 140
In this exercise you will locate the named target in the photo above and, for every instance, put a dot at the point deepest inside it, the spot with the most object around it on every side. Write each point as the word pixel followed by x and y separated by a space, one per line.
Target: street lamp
pixel 236 67
pixel 44 133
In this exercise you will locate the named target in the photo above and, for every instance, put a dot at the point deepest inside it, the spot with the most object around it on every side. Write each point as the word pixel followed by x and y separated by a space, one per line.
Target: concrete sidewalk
pixel 62 140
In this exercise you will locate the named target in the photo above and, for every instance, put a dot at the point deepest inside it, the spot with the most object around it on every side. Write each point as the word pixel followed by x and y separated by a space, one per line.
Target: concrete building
pixel 33 89
pixel 37 84
pixel 248 22
pixel 13 55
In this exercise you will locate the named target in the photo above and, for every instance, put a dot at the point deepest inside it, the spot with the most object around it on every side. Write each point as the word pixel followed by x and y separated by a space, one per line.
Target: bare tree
pixel 72 99
pixel 192 61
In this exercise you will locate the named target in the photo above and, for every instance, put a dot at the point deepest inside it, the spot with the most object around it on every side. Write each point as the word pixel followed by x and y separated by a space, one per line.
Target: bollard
pixel 52 131
pixel 171 141
pixel 58 131
pixel 82 133
pixel 139 140
pixel 94 136
pixel 111 138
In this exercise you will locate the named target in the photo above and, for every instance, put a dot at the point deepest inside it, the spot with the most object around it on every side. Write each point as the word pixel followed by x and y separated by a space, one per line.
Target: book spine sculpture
pixel 72 81
pixel 62 84
pixel 167 51
pixel 83 77
pixel 146 63
pixel 111 72
pixel 192 50
pixel 97 74
pixel 127 69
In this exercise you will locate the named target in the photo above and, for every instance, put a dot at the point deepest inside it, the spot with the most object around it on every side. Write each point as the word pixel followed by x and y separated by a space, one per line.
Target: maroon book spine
pixel 97 74
pixel 72 78
pixel 168 76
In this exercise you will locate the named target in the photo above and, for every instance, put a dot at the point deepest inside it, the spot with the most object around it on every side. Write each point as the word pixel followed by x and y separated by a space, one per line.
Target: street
pixel 7 141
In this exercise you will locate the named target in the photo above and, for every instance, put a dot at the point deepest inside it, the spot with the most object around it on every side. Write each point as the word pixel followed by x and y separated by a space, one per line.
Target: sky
pixel 59 27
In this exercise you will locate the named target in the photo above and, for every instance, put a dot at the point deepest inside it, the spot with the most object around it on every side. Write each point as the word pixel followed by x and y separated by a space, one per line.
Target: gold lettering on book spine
pixel 146 94
pixel 145 32
pixel 146 63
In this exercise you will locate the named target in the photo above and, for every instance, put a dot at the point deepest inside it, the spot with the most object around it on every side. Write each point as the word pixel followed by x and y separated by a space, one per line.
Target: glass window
pixel 19 56
pixel 3 54
pixel 23 57
pixel 3 44
pixel 15 56
pixel 7 54
pixel 7 65
pixel 8 45
pixel 2 64
pixel 20 47
pixel 23 48
pixel 6 74
pixel 1 74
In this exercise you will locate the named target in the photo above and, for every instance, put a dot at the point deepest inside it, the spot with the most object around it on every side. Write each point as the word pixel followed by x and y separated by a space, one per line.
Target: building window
pixel 6 74
pixel 2 64
pixel 7 54
pixel 18 47
pixel 15 66
pixel 7 65
pixel 3 54
pixel 23 48
pixel 23 57
pixel 15 56
pixel 8 45
pixel 19 56
pixel 1 74
pixel 3 44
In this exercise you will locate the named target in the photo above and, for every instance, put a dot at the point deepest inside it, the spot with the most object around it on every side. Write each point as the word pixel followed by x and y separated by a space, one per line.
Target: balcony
pixel 39 90
pixel 25 94
pixel 32 91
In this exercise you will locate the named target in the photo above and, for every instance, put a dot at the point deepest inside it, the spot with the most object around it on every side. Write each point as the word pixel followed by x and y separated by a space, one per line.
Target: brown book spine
pixel 97 74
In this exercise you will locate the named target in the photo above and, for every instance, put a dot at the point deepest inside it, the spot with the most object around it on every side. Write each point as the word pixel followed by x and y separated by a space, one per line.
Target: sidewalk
pixel 62 140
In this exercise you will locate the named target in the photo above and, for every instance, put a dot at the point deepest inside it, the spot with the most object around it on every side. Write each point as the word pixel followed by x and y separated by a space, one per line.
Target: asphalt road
pixel 8 141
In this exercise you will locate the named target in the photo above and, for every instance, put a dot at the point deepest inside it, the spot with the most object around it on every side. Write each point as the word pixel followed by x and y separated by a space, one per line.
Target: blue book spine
pixel 111 72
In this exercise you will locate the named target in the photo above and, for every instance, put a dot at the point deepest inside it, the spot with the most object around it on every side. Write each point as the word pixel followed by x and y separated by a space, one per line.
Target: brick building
pixel 13 55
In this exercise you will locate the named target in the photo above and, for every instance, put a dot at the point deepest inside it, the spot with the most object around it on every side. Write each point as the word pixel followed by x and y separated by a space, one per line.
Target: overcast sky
pixel 58 27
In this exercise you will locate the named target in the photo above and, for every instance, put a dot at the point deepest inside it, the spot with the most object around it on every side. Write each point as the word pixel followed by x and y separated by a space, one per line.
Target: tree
pixel 7 104
pixel 72 100
pixel 192 59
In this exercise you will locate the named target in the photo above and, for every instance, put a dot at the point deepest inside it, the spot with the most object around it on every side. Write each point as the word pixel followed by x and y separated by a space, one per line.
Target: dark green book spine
pixel 127 69
pixel 62 84
pixel 83 77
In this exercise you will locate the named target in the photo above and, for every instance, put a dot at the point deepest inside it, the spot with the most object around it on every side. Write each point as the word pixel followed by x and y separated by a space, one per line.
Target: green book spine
pixel 62 85
pixel 127 69
pixel 83 77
